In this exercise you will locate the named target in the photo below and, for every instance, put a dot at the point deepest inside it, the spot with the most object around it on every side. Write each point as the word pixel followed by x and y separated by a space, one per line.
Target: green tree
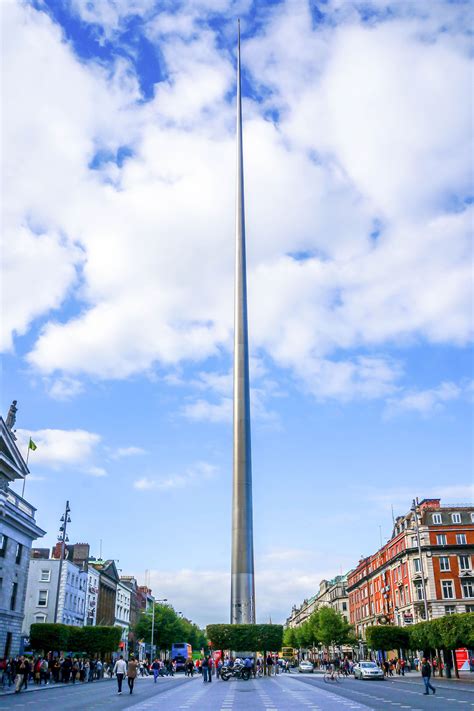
pixel 49 637
pixel 290 638
pixel 387 637
pixel 249 638
pixel 169 627
pixel 330 628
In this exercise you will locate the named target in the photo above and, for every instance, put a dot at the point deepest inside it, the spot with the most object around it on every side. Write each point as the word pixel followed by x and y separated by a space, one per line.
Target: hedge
pixel 250 638
pixel 52 637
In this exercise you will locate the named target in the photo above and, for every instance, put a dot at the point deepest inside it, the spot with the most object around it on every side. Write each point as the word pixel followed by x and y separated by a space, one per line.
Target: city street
pixel 281 693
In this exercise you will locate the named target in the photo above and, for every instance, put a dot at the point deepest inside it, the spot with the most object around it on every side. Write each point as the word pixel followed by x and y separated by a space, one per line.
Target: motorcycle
pixel 238 671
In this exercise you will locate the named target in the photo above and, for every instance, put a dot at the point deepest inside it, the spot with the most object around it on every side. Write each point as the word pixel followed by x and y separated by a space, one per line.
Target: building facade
pixel 331 593
pixel 92 596
pixel 424 570
pixel 42 593
pixel 18 529
pixel 108 580
pixel 122 612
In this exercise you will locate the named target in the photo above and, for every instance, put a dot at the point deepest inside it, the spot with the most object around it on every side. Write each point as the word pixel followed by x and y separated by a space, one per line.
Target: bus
pixel 288 654
pixel 180 653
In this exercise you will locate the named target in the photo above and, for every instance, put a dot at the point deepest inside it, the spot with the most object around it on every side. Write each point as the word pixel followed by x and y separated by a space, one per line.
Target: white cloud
pixel 64 388
pixel 425 402
pixel 131 451
pixel 96 471
pixel 56 448
pixel 373 123
pixel 195 473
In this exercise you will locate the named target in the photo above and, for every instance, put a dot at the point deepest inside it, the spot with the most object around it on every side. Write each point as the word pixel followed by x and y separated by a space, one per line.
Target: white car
pixel 368 670
pixel 305 667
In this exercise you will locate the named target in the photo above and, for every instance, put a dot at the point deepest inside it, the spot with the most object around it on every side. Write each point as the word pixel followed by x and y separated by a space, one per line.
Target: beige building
pixel 331 593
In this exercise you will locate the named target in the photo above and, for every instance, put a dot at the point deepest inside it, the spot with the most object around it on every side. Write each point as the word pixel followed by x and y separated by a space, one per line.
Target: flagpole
pixel 24 478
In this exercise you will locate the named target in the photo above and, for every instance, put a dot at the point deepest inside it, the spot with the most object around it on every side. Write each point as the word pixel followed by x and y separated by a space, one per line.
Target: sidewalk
pixel 37 687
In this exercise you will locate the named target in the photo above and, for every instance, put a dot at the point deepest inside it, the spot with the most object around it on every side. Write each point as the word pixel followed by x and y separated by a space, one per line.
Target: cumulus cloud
pixel 192 475
pixel 425 402
pixel 56 448
pixel 357 168
pixel 131 451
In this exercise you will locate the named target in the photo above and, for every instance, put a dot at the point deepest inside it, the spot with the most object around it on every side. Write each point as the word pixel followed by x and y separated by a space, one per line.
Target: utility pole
pixel 414 508
pixel 65 519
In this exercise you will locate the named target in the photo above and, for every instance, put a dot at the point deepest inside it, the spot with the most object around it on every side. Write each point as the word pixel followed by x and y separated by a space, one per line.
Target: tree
pixel 290 638
pixel 169 628
pixel 49 637
pixel 330 628
pixel 386 637
pixel 249 638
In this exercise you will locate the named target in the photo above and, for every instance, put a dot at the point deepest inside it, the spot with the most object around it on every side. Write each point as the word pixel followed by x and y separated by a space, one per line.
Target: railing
pixel 20 503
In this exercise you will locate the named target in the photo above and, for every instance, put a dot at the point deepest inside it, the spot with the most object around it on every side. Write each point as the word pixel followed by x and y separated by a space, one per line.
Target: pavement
pixel 285 692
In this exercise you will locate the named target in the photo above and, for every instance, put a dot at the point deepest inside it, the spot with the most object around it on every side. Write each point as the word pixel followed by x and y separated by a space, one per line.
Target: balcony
pixel 20 504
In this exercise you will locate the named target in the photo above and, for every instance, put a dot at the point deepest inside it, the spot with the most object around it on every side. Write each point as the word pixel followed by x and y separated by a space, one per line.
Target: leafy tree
pixel 49 637
pixel 250 638
pixel 169 628
pixel 290 638
pixel 386 637
pixel 330 627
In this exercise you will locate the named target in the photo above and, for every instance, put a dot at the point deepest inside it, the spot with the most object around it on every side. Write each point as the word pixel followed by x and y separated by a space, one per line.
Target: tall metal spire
pixel 242 606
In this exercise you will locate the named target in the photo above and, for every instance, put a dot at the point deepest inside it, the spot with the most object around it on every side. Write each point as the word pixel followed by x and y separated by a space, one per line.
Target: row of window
pixel 447 589
pixel 442 541
pixel 4 545
pixel 70 601
pixel 455 518
pixel 464 562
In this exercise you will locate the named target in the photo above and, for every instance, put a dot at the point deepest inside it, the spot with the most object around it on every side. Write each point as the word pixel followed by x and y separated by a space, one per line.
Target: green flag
pixel 32 445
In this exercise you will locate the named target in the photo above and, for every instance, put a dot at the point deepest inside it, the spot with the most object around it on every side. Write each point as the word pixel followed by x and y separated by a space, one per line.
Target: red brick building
pixel 389 586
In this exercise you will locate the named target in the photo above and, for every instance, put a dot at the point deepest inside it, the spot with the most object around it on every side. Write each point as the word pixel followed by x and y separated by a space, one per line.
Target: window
pixel 447 589
pixel 469 608
pixel 45 576
pixel 464 562
pixel 13 597
pixel 472 517
pixel 450 610
pixel 437 518
pixel 3 545
pixel 441 539
pixel 19 550
pixel 467 588
pixel 40 618
pixel 461 539
pixel 419 591
pixel 456 517
pixel 414 541
pixel 444 563
pixel 42 598
pixel 416 565
pixel 344 606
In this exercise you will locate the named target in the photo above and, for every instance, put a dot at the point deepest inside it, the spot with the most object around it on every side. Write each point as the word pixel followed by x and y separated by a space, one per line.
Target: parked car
pixel 368 670
pixel 305 667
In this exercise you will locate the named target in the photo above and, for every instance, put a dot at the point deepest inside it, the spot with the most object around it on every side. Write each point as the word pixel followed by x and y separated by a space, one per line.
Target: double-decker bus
pixel 287 653
pixel 180 653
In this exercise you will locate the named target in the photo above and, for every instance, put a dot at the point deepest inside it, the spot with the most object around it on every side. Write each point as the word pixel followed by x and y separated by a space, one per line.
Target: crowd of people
pixel 22 671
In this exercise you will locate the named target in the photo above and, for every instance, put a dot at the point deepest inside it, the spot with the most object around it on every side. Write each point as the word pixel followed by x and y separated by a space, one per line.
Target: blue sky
pixel 118 257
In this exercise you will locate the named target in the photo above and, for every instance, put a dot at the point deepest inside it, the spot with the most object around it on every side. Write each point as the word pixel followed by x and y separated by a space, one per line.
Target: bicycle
pixel 334 675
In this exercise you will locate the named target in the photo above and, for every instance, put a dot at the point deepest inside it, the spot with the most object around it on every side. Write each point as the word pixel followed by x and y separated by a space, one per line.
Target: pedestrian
pixel 22 669
pixel 426 676
pixel 156 669
pixel 132 671
pixel 269 664
pixel 120 669
pixel 402 667
pixel 204 669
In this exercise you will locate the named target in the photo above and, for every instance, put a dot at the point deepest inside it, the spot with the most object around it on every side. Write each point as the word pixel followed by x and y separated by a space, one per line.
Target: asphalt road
pixel 295 692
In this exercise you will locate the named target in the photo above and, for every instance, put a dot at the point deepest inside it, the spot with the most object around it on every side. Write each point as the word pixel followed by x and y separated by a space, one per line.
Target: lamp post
pixel 65 519
pixel 414 508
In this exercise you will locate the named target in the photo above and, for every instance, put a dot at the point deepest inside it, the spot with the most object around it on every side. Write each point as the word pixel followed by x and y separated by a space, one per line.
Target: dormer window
pixel 456 517
pixel 437 518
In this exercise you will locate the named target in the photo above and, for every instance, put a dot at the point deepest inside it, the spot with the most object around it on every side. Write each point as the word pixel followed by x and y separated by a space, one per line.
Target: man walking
pixel 426 675
pixel 120 669
pixel 132 671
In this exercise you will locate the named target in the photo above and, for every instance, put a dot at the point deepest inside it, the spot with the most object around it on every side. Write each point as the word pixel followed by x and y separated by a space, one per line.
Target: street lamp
pixel 63 538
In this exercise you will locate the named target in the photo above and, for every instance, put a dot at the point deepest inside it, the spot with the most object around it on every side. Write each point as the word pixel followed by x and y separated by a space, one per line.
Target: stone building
pixel 122 612
pixel 392 585
pixel 42 593
pixel 108 580
pixel 18 529
pixel 331 593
